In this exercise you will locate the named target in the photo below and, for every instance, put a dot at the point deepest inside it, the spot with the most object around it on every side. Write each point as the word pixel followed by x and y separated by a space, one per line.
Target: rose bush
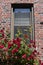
pixel 17 52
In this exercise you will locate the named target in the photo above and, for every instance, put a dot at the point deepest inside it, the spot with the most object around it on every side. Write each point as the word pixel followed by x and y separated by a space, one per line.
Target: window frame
pixel 12 23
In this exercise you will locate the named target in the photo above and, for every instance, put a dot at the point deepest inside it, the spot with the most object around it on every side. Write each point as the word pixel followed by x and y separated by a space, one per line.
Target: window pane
pixel 22 10
pixel 22 17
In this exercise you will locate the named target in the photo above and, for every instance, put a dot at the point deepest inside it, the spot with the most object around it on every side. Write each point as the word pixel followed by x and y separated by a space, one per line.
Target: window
pixel 22 21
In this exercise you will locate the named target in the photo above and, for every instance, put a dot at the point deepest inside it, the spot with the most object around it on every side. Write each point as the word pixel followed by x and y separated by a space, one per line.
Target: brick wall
pixel 5 19
pixel 38 12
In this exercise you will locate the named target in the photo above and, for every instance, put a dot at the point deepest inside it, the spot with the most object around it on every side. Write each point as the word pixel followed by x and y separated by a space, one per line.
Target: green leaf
pixel 36 62
pixel 16 35
pixel 0 35
pixel 20 51
pixel 6 45
pixel 2 42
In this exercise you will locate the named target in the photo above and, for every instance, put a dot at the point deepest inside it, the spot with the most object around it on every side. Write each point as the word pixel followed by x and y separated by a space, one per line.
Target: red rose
pixel 31 56
pixel 34 52
pixel 24 56
pixel 3 35
pixel 10 44
pixel 41 63
pixel 15 41
pixel 34 45
pixel 1 31
pixel 1 46
pixel 5 40
pixel 5 49
pixel 19 39
pixel 18 45
pixel 14 50
pixel 31 41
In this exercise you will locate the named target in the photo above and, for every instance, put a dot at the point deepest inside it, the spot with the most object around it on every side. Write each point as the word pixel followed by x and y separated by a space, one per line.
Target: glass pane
pixel 22 10
pixel 22 17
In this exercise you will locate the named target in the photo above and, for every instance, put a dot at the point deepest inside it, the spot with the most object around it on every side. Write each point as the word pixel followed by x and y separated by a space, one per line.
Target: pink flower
pixel 28 58
pixel 16 57
pixel 24 56
pixel 5 49
pixel 14 50
pixel 1 46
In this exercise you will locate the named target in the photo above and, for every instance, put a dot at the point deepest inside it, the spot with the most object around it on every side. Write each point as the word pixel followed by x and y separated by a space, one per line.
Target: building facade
pixel 6 19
